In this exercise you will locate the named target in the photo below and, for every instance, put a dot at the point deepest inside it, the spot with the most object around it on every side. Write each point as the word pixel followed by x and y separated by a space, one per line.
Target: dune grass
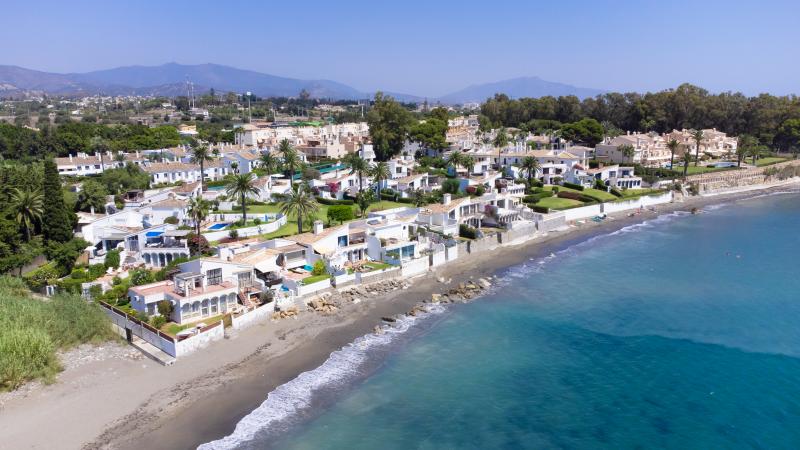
pixel 32 330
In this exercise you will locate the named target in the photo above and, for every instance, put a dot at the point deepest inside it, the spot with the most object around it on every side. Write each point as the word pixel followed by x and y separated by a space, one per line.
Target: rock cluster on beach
pixel 463 292
pixel 323 305
pixel 358 293
pixel 284 314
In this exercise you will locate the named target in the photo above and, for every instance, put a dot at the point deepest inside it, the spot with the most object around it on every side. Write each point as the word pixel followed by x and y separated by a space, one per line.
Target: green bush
pixel 340 213
pixel 389 197
pixel 467 231
pixel 171 220
pixel 96 271
pixel 451 186
pixel 157 321
pixel 112 259
pixel 540 209
pixel 577 187
pixel 328 201
pixel 615 192
pixel 319 268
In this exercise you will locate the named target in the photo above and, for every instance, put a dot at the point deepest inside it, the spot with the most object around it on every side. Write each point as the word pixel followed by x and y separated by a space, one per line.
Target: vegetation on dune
pixel 33 330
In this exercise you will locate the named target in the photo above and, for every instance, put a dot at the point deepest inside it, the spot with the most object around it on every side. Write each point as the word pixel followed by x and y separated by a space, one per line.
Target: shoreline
pixel 202 398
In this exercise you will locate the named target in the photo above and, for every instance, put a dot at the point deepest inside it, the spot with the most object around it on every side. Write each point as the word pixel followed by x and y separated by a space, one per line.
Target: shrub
pixel 467 231
pixel 405 200
pixel 256 221
pixel 141 276
pixel 536 183
pixel 165 308
pixel 41 277
pixel 328 201
pixel 158 321
pixel 554 190
pixel 319 268
pixel 96 271
pixel 480 190
pixel 198 244
pixel 569 195
pixel 615 192
pixel 577 187
pixel 389 197
pixel 598 184
pixel 112 259
pixel 540 209
pixel 451 186
pixel 471 190
pixel 233 234
pixel 171 220
pixel 340 213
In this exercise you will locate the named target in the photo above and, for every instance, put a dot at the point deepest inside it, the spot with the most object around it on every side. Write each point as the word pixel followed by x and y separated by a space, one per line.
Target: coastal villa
pixel 613 176
pixel 494 209
pixel 204 288
pixel 173 172
pixel 83 165
pixel 714 142
pixel 649 149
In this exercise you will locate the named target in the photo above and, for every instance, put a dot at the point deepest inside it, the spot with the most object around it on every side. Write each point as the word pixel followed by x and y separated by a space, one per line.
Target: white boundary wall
pixel 200 340
pixel 249 231
pixel 414 267
pixel 260 314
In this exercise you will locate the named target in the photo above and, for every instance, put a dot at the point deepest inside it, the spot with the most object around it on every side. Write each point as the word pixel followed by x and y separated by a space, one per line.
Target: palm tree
pixel 456 159
pixel 291 160
pixel 687 158
pixel 199 156
pixel 241 186
pixel 500 141
pixel 28 207
pixel 358 166
pixel 301 203
pixel 627 151
pixel 197 209
pixel 673 147
pixel 697 135
pixel 530 165
pixel 269 163
pixel 380 173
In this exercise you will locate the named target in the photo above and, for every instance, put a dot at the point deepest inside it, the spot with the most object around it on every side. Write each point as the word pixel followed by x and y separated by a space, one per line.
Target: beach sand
pixel 134 403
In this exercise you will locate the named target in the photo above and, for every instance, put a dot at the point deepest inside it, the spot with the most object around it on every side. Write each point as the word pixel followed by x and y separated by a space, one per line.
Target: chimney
pixel 446 199
pixel 317 227
pixel 70 157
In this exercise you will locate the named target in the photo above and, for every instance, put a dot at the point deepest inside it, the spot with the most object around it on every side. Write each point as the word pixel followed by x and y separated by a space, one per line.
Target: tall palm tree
pixel 269 163
pixel 242 186
pixel 687 158
pixel 291 160
pixel 500 141
pixel 530 165
pixel 199 156
pixel 380 173
pixel 468 162
pixel 300 203
pixel 698 136
pixel 358 166
pixel 197 209
pixel 673 147
pixel 27 204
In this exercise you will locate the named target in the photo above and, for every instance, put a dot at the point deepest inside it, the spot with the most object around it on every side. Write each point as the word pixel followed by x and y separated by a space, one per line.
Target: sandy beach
pixel 128 402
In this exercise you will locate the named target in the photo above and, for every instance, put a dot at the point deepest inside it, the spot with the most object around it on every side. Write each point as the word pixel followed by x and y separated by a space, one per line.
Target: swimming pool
pixel 218 226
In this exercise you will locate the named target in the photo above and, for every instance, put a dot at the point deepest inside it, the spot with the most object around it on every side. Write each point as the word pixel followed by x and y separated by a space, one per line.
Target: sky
pixel 427 48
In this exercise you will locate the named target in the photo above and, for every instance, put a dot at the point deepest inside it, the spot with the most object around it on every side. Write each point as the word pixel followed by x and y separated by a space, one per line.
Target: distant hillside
pixel 170 80
pixel 516 88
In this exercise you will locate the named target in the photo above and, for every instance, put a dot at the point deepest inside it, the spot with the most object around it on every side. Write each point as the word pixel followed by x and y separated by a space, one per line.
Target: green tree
pixel 389 123
pixel 364 199
pixel 788 136
pixel 455 159
pixel 197 209
pixel 358 166
pixel 291 160
pixel 430 133
pixel 56 223
pixel 242 186
pixel 299 203
pixel 200 155
pixel 27 207
pixel 627 151
pixel 744 147
pixel 92 195
pixel 687 158
pixel 380 173
pixel 673 146
pixel 269 163
pixel 698 136
pixel 340 213
pixel 587 131
pixel 530 166
pixel 112 259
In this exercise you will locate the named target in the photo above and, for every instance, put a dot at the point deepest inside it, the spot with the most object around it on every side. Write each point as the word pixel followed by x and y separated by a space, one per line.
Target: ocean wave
pixel 295 396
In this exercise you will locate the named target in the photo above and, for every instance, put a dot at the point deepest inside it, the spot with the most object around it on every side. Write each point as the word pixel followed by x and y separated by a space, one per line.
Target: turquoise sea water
pixel 680 333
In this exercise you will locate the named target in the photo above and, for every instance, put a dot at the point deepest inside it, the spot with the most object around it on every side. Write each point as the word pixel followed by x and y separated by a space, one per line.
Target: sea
pixel 682 332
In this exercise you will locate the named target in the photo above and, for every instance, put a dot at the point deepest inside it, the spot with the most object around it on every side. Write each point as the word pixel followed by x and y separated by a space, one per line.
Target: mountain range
pixel 170 80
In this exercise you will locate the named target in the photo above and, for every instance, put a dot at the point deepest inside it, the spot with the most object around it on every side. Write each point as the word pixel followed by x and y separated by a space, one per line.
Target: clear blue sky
pixel 426 47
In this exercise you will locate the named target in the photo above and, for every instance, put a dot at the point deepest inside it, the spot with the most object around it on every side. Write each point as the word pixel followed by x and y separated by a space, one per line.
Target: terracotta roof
pixel 310 238
pixel 440 208
pixel 170 167
pixel 169 203
pixel 187 187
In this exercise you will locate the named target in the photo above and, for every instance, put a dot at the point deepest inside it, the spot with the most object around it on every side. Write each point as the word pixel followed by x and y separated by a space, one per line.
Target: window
pixel 214 276
pixel 342 241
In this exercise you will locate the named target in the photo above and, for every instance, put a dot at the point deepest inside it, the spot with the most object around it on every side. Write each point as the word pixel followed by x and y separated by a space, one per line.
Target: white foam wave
pixel 341 367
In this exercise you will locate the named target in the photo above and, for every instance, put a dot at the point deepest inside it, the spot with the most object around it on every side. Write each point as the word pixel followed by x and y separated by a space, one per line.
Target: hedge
pixel 467 231
pixel 577 187
pixel 389 197
pixel 405 200
pixel 615 192
pixel 540 209
pixel 329 202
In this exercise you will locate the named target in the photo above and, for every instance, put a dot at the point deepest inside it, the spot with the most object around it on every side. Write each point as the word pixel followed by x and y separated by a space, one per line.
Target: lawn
pixel 375 265
pixel 602 195
pixel 694 170
pixel 386 204
pixel 628 194
pixel 769 161
pixel 558 203
pixel 174 328
pixel 314 278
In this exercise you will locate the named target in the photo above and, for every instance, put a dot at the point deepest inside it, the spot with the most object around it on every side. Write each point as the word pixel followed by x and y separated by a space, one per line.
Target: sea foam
pixel 287 400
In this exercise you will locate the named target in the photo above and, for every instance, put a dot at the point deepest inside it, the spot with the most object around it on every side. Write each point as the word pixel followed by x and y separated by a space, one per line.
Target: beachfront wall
pixel 484 244
pixel 252 316
pixel 640 202
pixel 731 179
pixel 378 275
pixel 307 289
pixel 414 267
pixel 203 338
pixel 519 233
pixel 583 212
pixel 249 231
pixel 161 341
pixel 344 280
pixel 437 258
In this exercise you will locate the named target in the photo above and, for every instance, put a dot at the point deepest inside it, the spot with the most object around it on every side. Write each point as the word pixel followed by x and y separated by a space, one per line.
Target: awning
pixel 154 233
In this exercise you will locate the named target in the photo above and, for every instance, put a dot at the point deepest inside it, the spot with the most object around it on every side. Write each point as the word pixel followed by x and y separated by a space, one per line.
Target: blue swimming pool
pixel 218 226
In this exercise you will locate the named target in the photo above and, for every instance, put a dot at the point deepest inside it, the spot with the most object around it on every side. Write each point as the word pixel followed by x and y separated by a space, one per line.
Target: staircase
pixel 245 299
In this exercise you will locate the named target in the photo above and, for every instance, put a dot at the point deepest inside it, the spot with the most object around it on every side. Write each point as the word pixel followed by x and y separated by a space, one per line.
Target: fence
pixel 249 231
pixel 414 267
pixel 168 344
pixel 252 315
pixel 378 275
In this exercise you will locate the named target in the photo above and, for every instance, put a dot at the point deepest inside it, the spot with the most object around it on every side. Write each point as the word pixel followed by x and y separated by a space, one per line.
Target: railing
pixel 136 321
